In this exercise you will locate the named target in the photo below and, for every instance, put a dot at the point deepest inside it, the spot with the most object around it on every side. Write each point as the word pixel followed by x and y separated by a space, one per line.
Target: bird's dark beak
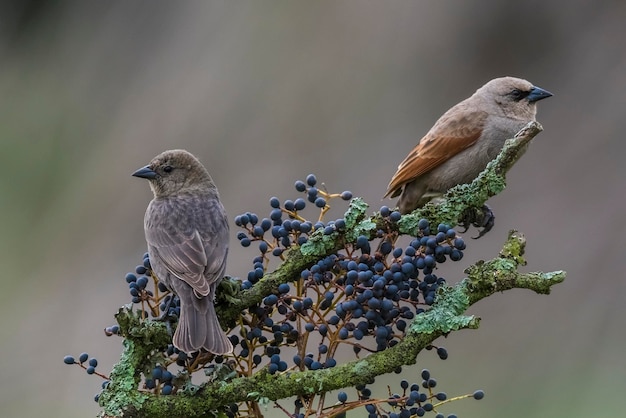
pixel 537 93
pixel 145 173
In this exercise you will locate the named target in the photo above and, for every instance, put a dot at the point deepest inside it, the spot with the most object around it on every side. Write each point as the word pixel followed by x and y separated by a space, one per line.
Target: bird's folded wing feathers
pixel 452 133
pixel 194 245
pixel 184 256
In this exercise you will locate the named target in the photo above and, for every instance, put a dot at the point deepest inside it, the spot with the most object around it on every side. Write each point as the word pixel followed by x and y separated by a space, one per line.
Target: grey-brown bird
pixel 464 140
pixel 187 234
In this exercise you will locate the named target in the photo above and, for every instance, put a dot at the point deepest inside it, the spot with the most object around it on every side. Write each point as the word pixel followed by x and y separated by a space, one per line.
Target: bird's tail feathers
pixel 200 328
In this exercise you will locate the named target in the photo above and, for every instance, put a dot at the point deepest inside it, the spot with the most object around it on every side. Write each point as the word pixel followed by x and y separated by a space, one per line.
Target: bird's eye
pixel 168 168
pixel 518 94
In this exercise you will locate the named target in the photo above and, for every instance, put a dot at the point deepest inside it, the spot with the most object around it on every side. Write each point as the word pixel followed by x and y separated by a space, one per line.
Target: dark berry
pixel 442 353
pixel 299 204
pixel 456 255
pixel 479 394
pixel 276 215
pixel 290 205
pixel 312 194
pixel 300 186
pixel 342 397
pixel 343 333
pixel 270 300
pixel 266 224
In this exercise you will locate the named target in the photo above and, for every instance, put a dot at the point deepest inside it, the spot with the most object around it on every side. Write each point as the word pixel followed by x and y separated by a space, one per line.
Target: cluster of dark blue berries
pixel 363 296
pixel 354 294
pixel 155 303
pixel 88 364
pixel 285 223
pixel 160 378
pixel 414 400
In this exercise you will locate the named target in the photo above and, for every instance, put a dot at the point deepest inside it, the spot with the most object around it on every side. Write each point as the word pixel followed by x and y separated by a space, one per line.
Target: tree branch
pixel 121 397
pixel 445 316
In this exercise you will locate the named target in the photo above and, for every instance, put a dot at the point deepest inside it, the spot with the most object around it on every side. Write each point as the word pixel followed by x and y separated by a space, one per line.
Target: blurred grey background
pixel 265 93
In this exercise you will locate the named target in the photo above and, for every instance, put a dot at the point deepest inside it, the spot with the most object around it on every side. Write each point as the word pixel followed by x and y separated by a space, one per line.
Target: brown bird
pixel 187 234
pixel 464 140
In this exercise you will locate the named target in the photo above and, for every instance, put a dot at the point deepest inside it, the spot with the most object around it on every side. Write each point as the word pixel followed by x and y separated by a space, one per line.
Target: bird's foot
pixel 481 218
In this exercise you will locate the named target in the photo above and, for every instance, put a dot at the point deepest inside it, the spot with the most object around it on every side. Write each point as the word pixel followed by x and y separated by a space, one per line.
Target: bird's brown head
pixel 176 171
pixel 515 97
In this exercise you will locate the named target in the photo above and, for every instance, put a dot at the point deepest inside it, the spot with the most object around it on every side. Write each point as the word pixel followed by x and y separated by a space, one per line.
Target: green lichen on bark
pixel 357 222
pixel 500 274
pixel 141 338
pixel 445 315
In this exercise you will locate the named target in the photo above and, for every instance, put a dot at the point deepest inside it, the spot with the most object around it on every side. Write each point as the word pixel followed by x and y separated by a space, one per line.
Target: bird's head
pixel 175 171
pixel 515 97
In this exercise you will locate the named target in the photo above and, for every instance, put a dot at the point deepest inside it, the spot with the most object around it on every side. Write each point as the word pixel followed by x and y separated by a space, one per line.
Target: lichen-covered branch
pixel 445 316
pixel 143 338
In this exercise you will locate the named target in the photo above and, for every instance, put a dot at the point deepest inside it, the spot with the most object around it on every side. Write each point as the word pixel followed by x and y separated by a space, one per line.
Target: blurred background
pixel 265 93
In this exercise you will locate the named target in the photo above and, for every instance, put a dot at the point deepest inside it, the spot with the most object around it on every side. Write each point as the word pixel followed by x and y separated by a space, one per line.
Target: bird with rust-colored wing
pixel 464 140
pixel 187 234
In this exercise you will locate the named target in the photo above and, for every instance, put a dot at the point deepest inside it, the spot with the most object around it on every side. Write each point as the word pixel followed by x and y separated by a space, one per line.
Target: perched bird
pixel 464 140
pixel 187 234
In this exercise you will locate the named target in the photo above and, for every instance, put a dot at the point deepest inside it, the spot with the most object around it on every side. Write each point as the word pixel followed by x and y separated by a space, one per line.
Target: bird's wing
pixel 198 258
pixel 452 133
